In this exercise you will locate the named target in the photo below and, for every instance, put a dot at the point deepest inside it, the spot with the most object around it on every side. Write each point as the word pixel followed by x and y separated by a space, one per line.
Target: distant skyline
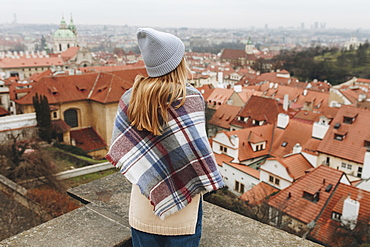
pixel 192 13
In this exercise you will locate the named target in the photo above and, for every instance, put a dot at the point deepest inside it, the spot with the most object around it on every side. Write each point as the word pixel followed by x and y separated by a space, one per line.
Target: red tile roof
pixel 3 112
pixel 100 87
pixel 233 54
pixel 224 115
pixel 291 201
pixel 296 165
pixel 69 53
pixel 60 126
pixel 258 108
pixel 24 62
pixel 352 146
pixel 245 149
pixel 328 231
pixel 88 139
pixel 296 132
pixel 258 193
pixel 218 97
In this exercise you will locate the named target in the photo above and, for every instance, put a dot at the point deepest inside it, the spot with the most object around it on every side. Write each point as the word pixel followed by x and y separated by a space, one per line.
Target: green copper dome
pixel 64 33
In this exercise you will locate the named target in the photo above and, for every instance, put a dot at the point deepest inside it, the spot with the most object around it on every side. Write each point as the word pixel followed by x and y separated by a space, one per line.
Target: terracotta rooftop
pixel 328 230
pixel 245 149
pixel 349 144
pixel 244 168
pixel 291 199
pixel 100 87
pixel 296 165
pixel 24 62
pixel 296 132
pixel 60 126
pixel 88 139
pixel 218 97
pixel 258 193
pixel 233 54
pixel 260 109
pixel 224 115
pixel 69 53
pixel 3 112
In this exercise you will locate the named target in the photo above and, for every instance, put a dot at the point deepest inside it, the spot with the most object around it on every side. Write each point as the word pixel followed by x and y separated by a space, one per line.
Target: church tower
pixel 65 36
pixel 249 47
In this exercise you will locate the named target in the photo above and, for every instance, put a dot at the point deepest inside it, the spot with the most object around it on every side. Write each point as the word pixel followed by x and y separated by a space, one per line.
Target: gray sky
pixel 192 13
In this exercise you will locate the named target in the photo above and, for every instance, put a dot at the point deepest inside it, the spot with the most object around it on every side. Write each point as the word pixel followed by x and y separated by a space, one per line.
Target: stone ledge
pixel 104 222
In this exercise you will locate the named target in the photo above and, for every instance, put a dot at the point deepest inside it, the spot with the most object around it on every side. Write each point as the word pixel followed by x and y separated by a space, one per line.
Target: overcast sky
pixel 192 13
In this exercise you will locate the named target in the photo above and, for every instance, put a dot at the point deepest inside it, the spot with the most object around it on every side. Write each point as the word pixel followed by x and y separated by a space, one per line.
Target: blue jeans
pixel 143 239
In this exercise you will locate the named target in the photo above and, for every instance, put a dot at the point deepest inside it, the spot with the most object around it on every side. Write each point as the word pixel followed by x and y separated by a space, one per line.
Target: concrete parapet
pixel 103 221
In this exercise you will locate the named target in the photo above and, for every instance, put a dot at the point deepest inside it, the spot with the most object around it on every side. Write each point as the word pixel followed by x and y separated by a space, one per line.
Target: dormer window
pixel 336 216
pixel 244 119
pixel 311 197
pixel 339 137
pixel 348 120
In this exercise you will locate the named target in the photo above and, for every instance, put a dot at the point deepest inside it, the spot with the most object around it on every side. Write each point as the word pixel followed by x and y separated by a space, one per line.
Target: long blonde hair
pixel 152 96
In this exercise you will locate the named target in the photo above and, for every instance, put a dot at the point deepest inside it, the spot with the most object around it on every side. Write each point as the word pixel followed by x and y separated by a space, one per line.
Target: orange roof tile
pixel 296 165
pixel 328 231
pixel 291 201
pixel 88 139
pixel 246 169
pixel 100 87
pixel 30 62
pixel 258 193
pixel 352 146
pixel 224 115
pixel 219 96
pixel 69 53
pixel 296 132
pixel 258 108
pixel 245 149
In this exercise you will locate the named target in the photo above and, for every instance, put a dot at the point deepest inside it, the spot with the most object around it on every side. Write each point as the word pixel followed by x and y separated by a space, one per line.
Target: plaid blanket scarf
pixel 171 168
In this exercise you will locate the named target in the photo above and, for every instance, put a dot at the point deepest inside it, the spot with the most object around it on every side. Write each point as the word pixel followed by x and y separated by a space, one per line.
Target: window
pixel 359 171
pixel 277 181
pixel 349 166
pixel 336 216
pixel 284 144
pixel 223 149
pixel 344 165
pixel 274 180
pixel 239 187
pixel 348 120
pixel 70 117
pixel 338 137
pixel 55 114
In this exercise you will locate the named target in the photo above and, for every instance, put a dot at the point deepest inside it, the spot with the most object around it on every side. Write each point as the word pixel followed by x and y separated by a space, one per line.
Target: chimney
pixel 297 148
pixel 319 130
pixel 350 212
pixel 238 88
pixel 220 77
pixel 282 121
pixel 286 102
pixel 304 92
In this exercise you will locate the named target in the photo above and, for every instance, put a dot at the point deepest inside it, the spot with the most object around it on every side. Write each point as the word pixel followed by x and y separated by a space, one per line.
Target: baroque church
pixel 65 37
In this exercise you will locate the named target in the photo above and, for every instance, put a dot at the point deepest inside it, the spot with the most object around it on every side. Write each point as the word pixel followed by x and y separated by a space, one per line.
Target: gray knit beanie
pixel 161 52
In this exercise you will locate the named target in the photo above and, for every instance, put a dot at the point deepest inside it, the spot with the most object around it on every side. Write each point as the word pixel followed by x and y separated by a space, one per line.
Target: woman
pixel 160 144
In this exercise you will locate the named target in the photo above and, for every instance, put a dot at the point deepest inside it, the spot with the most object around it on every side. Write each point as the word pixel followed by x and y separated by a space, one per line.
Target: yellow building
pixel 83 107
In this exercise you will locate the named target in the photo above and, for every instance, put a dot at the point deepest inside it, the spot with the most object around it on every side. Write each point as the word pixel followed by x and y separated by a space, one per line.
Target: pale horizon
pixel 230 14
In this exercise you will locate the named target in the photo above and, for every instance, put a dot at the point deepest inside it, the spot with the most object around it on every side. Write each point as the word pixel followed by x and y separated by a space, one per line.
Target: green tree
pixel 41 105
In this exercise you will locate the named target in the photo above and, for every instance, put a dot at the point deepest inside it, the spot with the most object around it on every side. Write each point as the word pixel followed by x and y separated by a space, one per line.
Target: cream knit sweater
pixel 142 218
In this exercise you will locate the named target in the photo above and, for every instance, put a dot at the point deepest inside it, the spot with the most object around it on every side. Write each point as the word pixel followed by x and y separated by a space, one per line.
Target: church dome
pixel 64 33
